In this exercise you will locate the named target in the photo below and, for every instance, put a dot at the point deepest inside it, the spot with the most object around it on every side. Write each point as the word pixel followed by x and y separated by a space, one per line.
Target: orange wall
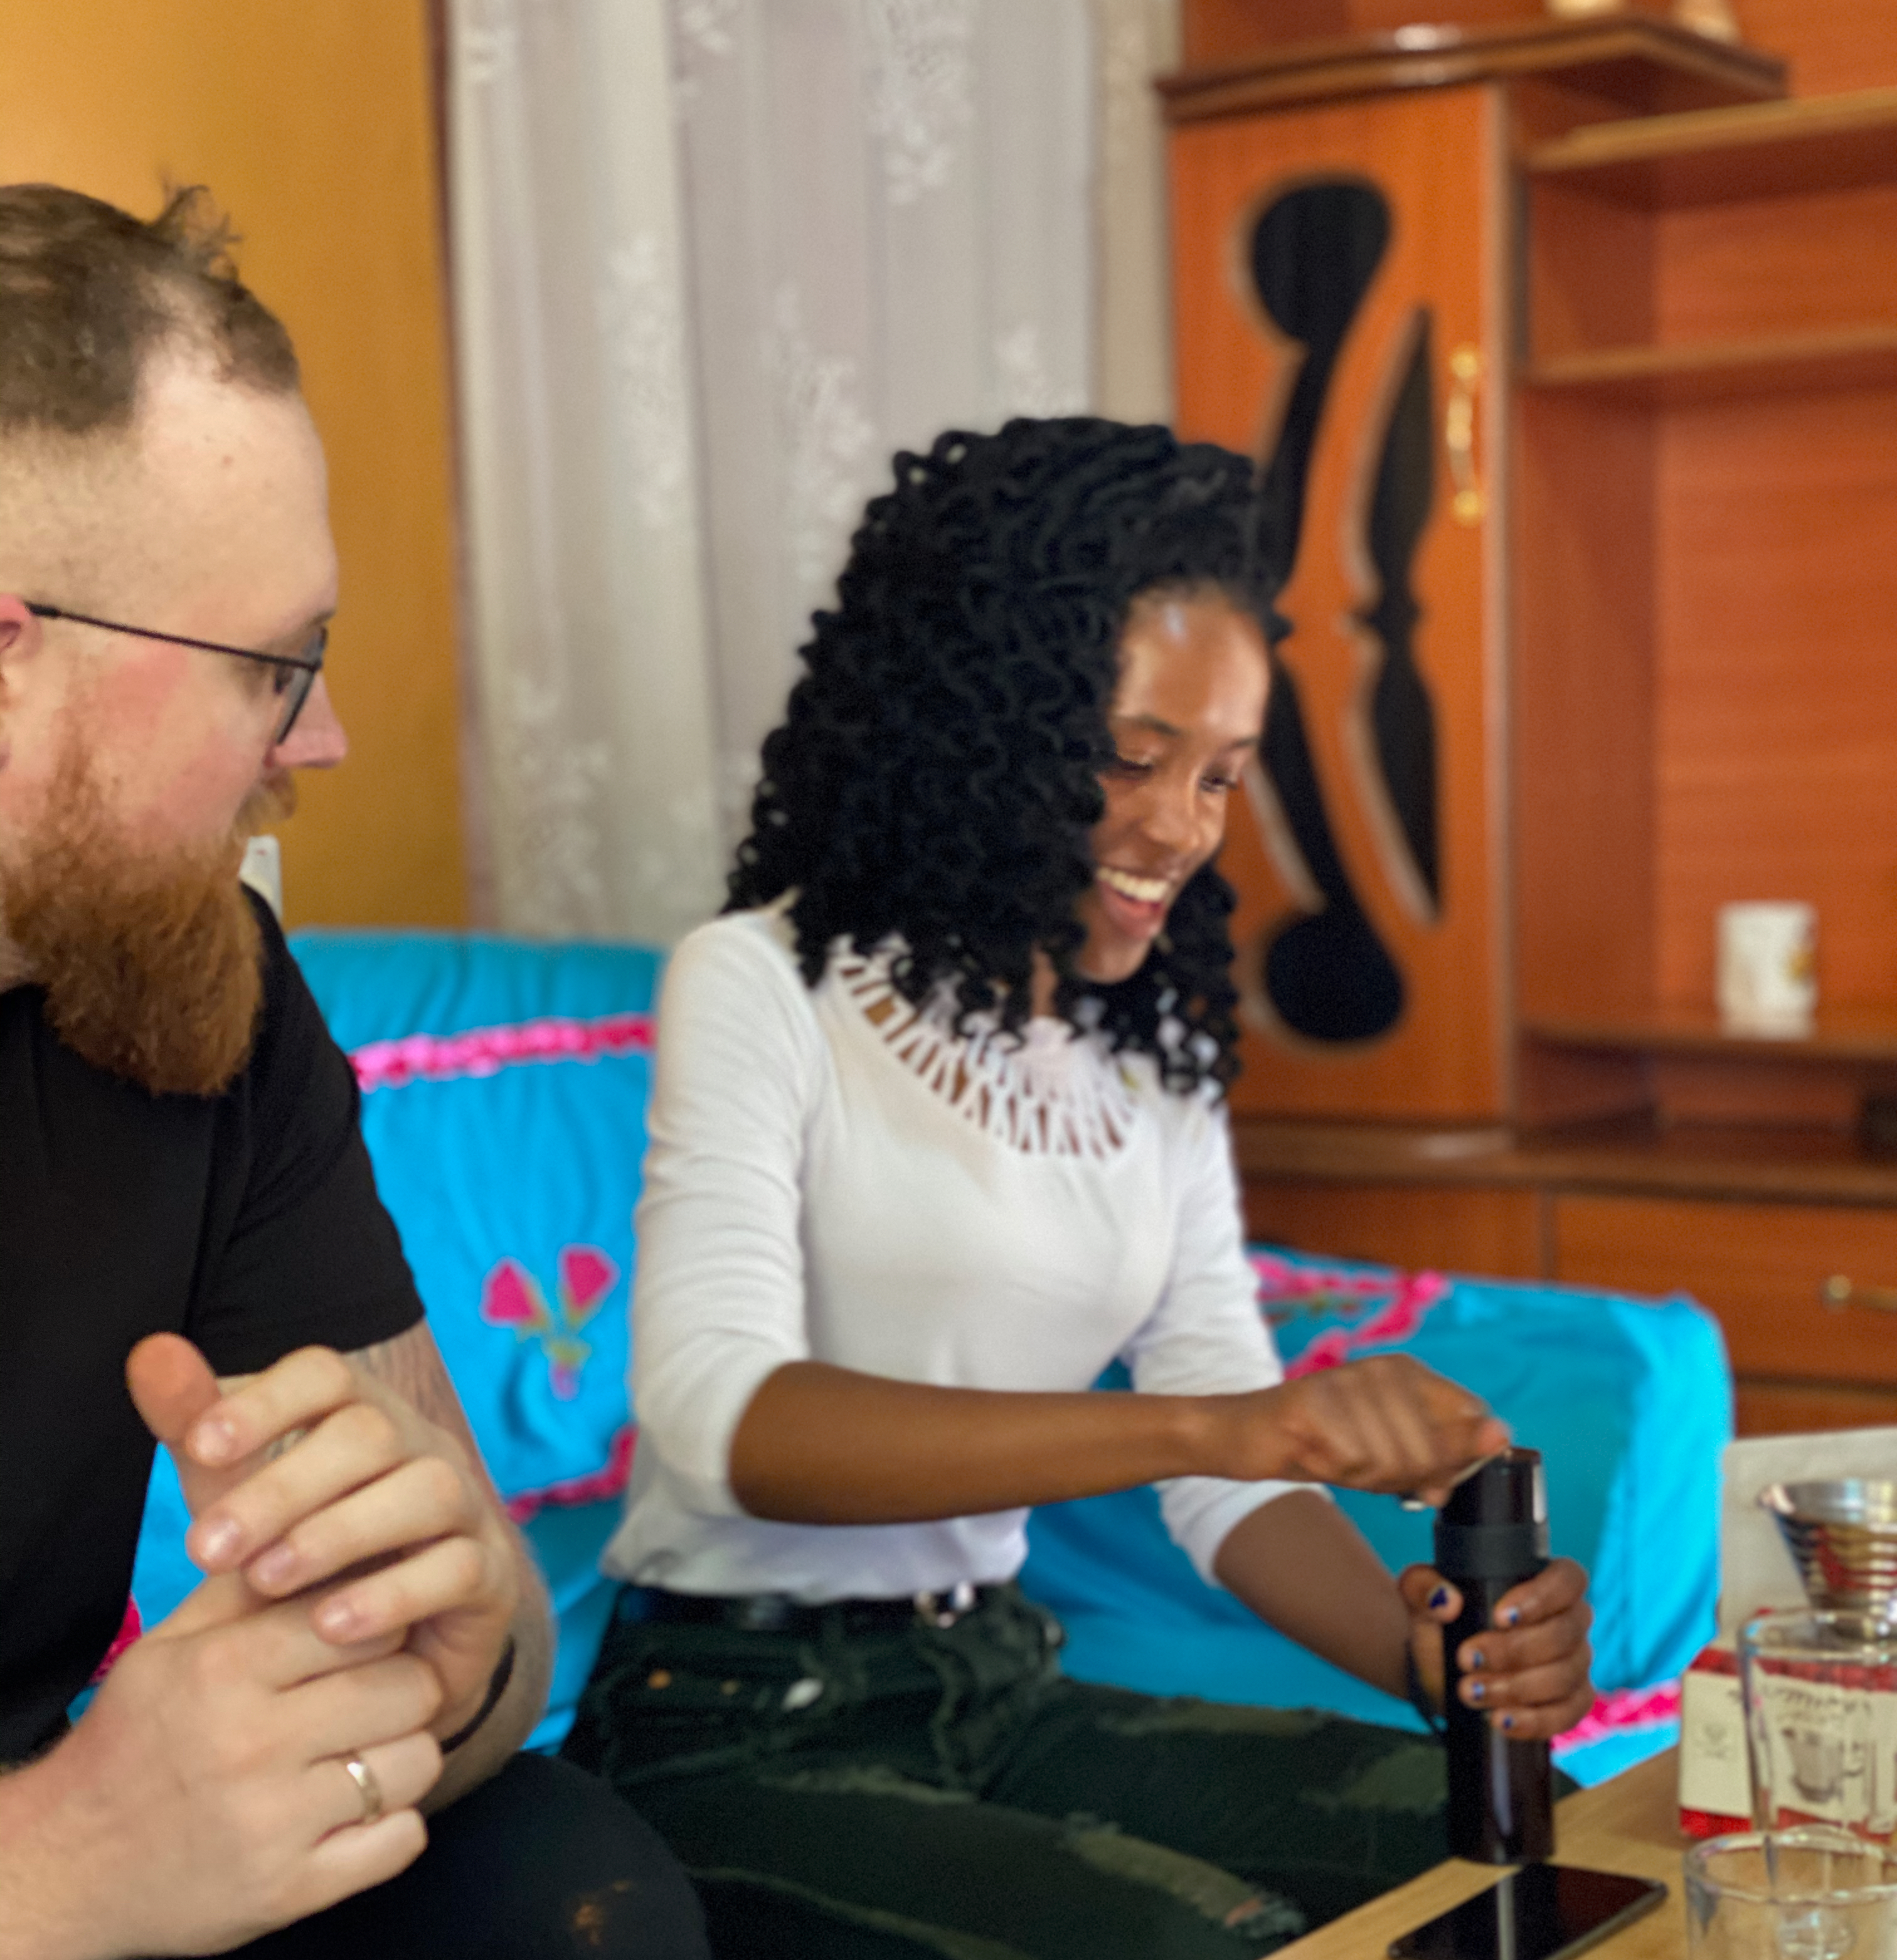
pixel 311 122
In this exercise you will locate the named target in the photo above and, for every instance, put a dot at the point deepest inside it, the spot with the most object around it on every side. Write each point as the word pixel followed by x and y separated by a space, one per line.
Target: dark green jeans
pixel 947 1792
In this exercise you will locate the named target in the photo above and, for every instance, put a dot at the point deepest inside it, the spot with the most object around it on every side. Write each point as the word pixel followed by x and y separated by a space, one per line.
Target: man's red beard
pixel 151 961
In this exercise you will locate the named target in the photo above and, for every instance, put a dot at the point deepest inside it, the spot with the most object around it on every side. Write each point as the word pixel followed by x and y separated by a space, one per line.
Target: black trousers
pixel 540 1862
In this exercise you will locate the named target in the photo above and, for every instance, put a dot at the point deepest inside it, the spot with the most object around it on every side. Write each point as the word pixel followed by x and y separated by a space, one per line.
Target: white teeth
pixel 1146 891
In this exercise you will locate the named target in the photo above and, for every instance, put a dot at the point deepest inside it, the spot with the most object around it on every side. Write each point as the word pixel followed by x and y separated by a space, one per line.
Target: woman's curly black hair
pixel 938 770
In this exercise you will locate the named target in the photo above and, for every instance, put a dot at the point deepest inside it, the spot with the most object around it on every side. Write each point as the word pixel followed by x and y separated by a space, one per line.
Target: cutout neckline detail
pixel 1049 1092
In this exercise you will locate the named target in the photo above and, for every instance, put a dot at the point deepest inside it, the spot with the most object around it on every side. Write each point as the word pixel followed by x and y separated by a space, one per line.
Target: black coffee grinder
pixel 1491 1535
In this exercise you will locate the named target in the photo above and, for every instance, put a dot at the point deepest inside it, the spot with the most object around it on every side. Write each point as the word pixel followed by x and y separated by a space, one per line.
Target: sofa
pixel 503 1093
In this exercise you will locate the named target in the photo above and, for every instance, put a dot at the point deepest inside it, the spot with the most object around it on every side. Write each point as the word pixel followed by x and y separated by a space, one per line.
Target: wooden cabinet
pixel 1421 171
pixel 1346 265
pixel 1802 1291
pixel 1628 348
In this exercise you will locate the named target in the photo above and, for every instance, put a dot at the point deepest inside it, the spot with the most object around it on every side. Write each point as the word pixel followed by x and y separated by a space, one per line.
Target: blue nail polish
pixel 1475 1662
pixel 1476 1690
pixel 1509 1721
pixel 1439 1599
pixel 1509 1616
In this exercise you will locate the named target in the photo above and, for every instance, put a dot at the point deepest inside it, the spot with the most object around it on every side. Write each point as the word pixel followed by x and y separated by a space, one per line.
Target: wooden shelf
pixel 1718 156
pixel 1629 1154
pixel 1838 1034
pixel 1855 357
pixel 1645 64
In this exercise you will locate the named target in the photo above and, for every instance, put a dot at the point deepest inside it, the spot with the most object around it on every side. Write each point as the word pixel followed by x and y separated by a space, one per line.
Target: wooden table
pixel 1630 1825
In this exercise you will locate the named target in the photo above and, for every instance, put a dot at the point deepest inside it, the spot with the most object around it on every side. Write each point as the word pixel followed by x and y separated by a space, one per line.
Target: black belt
pixel 777 1613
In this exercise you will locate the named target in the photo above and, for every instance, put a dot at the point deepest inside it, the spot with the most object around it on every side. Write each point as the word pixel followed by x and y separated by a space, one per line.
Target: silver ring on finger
pixel 363 1777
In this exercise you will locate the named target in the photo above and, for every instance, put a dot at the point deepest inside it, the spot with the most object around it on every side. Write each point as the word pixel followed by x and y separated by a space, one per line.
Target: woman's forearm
pixel 1300 1564
pixel 824 1445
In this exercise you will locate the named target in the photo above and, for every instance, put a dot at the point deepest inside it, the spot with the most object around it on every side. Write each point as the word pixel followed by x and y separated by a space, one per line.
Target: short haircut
pixel 89 294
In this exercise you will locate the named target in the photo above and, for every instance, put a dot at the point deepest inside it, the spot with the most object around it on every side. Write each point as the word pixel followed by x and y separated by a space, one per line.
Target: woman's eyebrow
pixel 1154 725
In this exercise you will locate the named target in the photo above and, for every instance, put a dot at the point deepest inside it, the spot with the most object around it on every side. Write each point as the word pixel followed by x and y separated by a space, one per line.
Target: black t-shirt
pixel 248 1222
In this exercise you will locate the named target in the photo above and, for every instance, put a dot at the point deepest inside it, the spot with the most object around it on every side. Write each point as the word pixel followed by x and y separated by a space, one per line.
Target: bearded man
pixel 191 1247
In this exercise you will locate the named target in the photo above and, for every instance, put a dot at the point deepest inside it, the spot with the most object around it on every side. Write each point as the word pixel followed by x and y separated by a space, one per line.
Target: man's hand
pixel 314 1474
pixel 1530 1670
pixel 201 1799
pixel 1387 1423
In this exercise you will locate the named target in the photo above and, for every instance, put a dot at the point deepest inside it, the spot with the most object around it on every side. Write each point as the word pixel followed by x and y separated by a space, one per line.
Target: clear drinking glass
pixel 1813 1894
pixel 1820 1691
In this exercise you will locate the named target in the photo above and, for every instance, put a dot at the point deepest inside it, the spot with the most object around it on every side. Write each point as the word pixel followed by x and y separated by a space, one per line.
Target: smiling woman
pixel 1184 720
pixel 937 1133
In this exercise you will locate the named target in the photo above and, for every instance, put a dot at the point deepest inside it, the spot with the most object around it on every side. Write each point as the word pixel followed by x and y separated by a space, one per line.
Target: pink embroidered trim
pixel 389 1064
pixel 1622 1708
pixel 130 1629
pixel 1408 1298
pixel 593 1488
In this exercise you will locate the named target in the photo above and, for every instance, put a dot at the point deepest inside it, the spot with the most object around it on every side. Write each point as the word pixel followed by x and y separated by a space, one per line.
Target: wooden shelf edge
pixel 1843 1035
pixel 1435 57
pixel 1705 132
pixel 1847 357
pixel 1629 1155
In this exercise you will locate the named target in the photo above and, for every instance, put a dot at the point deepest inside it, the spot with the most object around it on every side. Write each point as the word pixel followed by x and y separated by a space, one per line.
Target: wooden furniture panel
pixel 1760 1267
pixel 1630 61
pixel 1434 156
pixel 1831 45
pixel 1582 534
pixel 1783 1408
pixel 1776 696
pixel 1465 1230
pixel 1725 156
pixel 1784 264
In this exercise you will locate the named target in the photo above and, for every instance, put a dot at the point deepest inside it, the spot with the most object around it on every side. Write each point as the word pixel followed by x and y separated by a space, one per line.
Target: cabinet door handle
pixel 1840 1290
pixel 1468 504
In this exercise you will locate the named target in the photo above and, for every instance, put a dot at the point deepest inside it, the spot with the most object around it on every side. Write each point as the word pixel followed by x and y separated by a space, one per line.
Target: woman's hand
pixel 1530 1671
pixel 1387 1423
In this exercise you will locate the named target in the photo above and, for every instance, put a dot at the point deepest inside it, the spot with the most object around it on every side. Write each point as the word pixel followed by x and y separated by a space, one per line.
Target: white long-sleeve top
pixel 834 1176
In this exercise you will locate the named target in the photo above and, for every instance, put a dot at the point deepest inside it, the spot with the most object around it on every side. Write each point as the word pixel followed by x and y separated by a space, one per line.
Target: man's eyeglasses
pixel 291 677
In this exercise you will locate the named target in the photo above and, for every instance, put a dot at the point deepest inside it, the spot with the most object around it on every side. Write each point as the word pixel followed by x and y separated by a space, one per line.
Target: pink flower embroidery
pixel 512 1297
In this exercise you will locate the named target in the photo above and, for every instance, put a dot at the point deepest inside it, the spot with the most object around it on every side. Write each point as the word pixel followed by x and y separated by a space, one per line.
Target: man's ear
pixel 19 635
pixel 20 650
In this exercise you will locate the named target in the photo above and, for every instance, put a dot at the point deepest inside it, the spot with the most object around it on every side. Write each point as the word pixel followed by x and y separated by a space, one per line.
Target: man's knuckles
pixel 453 1572
pixel 442 1492
pixel 406 1503
pixel 300 1389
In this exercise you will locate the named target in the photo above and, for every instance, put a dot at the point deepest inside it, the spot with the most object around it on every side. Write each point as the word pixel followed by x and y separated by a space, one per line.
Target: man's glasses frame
pixel 293 676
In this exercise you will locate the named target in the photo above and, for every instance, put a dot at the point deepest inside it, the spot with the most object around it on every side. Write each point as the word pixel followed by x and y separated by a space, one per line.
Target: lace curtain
pixel 715 260
pixel 592 697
